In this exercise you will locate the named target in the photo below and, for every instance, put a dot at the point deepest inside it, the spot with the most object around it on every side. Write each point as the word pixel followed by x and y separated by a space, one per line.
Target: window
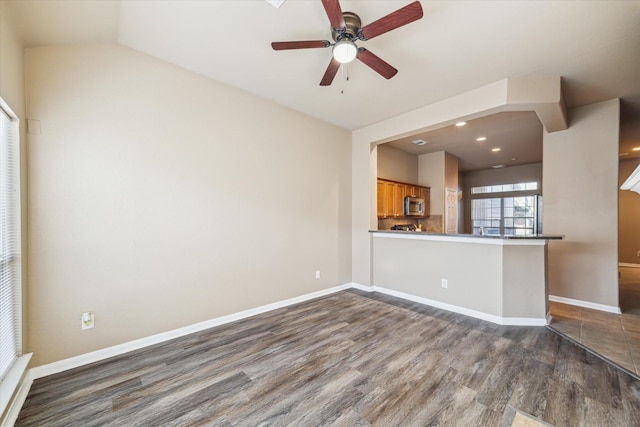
pixel 486 215
pixel 505 188
pixel 509 215
pixel 520 216
pixel 10 269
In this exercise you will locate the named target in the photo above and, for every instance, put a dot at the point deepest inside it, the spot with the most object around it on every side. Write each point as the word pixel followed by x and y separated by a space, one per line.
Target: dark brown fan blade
pixel 334 12
pixel 308 44
pixel 332 69
pixel 409 13
pixel 376 64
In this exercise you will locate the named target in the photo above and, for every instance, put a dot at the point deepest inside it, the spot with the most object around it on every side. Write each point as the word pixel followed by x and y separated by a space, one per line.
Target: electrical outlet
pixel 445 283
pixel 86 321
pixel 317 274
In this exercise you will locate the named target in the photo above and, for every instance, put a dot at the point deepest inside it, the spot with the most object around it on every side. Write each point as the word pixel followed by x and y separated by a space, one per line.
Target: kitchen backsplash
pixel 431 224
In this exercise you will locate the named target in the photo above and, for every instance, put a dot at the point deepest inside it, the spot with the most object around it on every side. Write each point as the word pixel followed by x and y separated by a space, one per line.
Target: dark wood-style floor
pixel 348 359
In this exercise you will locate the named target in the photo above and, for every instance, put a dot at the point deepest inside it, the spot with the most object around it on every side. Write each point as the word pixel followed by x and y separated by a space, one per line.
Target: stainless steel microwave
pixel 413 206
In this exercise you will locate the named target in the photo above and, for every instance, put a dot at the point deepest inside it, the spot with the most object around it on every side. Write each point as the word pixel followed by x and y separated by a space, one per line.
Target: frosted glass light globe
pixel 345 51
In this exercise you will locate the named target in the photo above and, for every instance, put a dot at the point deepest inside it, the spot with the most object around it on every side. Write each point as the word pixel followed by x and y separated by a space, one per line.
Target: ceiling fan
pixel 346 28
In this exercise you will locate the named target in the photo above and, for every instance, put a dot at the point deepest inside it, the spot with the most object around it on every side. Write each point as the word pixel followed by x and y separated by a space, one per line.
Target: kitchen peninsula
pixel 502 279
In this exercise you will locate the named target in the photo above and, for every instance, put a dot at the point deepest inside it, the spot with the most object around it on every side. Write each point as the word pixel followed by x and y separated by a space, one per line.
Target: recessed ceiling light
pixel 635 149
pixel 496 149
pixel 482 138
pixel 459 124
pixel 419 142
pixel 497 166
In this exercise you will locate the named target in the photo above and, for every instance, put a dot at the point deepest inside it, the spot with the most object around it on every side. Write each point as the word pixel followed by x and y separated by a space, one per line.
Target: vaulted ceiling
pixel 457 46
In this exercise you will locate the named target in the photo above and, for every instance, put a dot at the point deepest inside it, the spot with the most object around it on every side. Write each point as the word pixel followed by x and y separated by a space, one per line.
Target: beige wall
pixel 439 171
pixel 509 175
pixel 160 198
pixel 431 173
pixel 499 278
pixel 581 201
pixel 450 171
pixel 450 182
pixel 417 267
pixel 397 165
pixel 12 92
pixel 629 216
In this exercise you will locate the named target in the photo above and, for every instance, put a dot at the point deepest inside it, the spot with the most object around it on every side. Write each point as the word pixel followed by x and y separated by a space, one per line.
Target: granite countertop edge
pixel 425 233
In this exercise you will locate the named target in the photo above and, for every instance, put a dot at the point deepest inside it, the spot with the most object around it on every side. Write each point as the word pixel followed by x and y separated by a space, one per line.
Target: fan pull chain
pixel 345 71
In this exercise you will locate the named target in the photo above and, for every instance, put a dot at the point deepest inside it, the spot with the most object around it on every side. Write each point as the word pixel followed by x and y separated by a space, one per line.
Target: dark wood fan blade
pixel 376 64
pixel 332 69
pixel 308 44
pixel 334 12
pixel 409 13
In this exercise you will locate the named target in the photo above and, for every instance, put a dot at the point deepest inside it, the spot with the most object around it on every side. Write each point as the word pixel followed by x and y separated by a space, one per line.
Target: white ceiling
pixel 518 135
pixel 457 46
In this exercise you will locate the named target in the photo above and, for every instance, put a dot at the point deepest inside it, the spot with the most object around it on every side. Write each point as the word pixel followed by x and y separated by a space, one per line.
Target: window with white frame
pixel 10 269
pixel 505 209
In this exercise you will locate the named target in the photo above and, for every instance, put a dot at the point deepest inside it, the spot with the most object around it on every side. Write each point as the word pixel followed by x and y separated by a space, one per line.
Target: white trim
pixel 18 401
pixel 8 110
pixel 365 288
pixel 507 321
pixel 275 3
pixel 12 380
pixel 524 321
pixel 483 240
pixel 586 304
pixel 116 350
pixel 633 181
pixel 628 264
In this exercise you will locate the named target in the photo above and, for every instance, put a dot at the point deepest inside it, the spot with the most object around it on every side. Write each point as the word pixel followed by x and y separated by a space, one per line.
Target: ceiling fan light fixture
pixel 345 51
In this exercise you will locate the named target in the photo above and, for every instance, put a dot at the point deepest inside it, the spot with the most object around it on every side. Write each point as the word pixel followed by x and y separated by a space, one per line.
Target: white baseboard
pixel 365 288
pixel 628 264
pixel 116 350
pixel 510 321
pixel 586 304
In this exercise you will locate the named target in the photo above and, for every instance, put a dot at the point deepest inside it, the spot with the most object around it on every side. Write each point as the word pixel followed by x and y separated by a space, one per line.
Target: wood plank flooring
pixel 348 359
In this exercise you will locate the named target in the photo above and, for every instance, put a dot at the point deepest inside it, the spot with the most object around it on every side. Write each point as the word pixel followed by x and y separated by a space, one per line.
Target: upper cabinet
pixel 412 191
pixel 391 196
pixel 385 194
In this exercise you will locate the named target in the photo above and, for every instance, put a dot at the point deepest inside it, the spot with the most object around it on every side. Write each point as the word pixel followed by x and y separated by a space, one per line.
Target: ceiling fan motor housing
pixel 352 27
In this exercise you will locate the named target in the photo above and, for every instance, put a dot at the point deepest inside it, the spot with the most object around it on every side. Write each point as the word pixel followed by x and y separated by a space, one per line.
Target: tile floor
pixel 615 337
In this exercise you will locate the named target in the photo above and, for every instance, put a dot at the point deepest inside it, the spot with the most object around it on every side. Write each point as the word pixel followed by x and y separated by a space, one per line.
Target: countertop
pixel 486 236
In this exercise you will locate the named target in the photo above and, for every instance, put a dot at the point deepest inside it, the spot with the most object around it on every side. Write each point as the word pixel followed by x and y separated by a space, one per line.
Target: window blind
pixel 10 270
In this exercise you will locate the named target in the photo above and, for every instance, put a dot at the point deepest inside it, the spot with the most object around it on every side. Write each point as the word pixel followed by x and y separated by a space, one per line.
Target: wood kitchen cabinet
pixel 398 200
pixel 391 196
pixel 383 207
pixel 412 191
